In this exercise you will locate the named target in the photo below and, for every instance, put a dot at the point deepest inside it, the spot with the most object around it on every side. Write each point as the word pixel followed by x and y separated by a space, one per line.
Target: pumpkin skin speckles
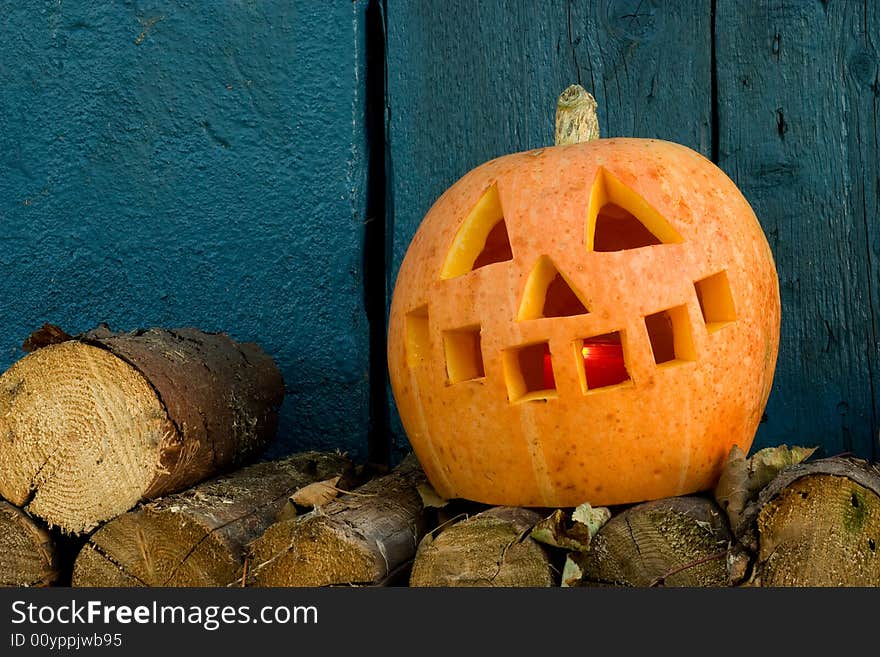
pixel 645 240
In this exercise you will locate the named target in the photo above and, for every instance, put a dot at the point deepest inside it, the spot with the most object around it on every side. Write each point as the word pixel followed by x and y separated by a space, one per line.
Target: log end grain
pixel 150 549
pixel 80 435
pixel 820 530
pixel 95 569
pixel 198 537
pixel 361 538
pixel 28 554
pixel 678 541
pixel 312 551
pixel 92 425
pixel 491 548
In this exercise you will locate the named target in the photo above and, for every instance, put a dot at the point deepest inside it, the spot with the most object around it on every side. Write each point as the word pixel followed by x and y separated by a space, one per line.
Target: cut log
pixel 198 537
pixel 92 568
pixel 28 554
pixel 818 524
pixel 677 541
pixel 363 537
pixel 89 426
pixel 492 548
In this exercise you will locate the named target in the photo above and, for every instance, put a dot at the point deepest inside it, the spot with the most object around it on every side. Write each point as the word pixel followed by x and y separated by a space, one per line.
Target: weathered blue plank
pixel 201 164
pixel 797 108
pixel 469 81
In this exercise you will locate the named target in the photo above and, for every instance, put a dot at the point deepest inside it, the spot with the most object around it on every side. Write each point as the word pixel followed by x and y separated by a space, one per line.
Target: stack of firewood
pixel 775 519
pixel 131 459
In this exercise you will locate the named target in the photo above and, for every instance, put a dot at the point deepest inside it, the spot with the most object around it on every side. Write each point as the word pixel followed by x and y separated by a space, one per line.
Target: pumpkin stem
pixel 576 119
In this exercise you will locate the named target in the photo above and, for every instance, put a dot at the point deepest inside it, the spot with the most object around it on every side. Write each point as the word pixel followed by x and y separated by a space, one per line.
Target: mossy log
pixel 91 425
pixel 364 537
pixel 817 524
pixel 29 555
pixel 676 541
pixel 198 537
pixel 492 548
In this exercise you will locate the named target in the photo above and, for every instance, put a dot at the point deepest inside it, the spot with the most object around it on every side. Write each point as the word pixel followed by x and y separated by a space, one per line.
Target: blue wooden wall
pixel 260 167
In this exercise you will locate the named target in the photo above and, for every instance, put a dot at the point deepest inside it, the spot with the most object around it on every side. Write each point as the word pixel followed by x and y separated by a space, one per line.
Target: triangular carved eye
pixel 619 219
pixel 549 294
pixel 482 239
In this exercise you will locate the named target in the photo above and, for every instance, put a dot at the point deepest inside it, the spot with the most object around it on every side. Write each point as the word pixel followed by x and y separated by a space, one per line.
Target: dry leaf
pixel 738 563
pixel 732 490
pixel 743 478
pixel 591 517
pixel 316 494
pixel 571 572
pixel 287 512
pixel 572 534
pixel 430 497
pixel 551 530
pixel 768 462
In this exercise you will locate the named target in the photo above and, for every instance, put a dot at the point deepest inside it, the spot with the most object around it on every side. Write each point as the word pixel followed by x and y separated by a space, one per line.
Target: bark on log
pixel 28 554
pixel 91 425
pixel 364 537
pixel 817 524
pixel 492 548
pixel 677 541
pixel 198 537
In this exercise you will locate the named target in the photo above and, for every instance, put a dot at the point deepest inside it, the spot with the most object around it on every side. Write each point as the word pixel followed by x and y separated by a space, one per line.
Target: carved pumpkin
pixel 593 322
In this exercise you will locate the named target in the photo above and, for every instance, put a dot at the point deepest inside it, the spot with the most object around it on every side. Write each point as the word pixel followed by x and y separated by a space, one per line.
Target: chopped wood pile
pixel 199 537
pixel 90 425
pixel 132 460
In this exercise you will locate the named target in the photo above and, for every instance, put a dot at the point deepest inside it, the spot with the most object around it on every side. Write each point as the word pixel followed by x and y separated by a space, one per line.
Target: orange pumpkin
pixel 594 322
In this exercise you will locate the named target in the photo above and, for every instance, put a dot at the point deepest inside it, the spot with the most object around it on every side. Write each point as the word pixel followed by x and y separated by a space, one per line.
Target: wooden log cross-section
pixel 675 541
pixel 817 523
pixel 198 537
pixel 491 548
pixel 93 424
pixel 365 537
pixel 28 554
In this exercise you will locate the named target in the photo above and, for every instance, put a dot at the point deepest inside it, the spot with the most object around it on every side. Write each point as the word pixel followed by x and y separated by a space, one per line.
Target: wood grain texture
pixel 364 537
pixel 29 555
pixel 797 131
pixel 492 548
pixel 816 523
pixel 820 531
pixel 198 537
pixel 92 425
pixel 676 541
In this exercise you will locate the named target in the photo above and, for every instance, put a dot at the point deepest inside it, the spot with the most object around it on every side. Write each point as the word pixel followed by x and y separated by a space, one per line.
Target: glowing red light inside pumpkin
pixel 549 380
pixel 603 364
